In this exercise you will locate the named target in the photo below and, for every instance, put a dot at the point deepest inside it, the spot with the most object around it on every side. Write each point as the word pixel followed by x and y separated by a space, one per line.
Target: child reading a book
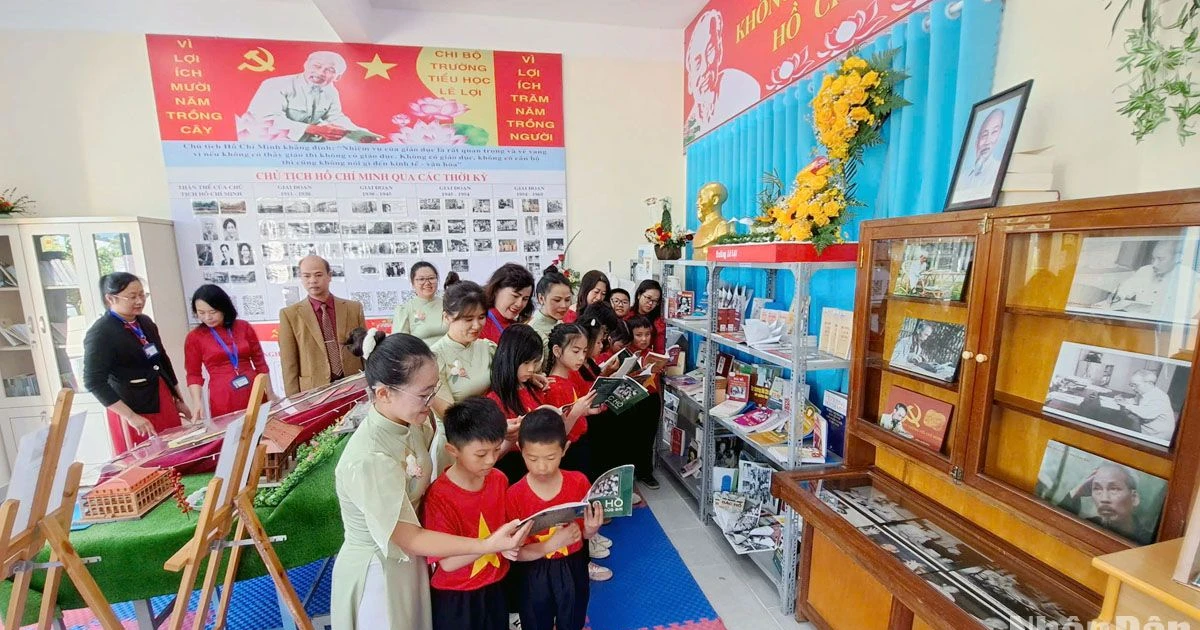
pixel 553 586
pixel 518 361
pixel 647 413
pixel 469 500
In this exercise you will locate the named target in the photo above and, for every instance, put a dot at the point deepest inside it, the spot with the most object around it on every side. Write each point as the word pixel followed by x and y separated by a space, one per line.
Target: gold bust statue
pixel 712 224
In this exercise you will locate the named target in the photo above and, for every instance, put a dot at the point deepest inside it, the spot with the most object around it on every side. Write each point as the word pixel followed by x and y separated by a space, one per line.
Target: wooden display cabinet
pixel 1072 315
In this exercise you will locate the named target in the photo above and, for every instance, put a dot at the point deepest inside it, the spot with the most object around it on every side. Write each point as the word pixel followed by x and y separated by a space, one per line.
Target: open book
pixel 613 489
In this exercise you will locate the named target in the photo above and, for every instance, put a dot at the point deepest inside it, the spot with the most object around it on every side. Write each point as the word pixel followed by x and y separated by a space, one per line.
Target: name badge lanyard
pixel 229 352
pixel 496 321
pixel 149 349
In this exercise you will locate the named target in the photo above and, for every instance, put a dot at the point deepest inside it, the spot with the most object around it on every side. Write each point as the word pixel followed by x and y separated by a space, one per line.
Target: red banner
pixel 216 89
pixel 739 52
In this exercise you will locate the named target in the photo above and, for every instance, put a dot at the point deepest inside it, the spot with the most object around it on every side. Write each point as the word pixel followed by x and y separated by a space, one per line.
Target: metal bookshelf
pixel 782 574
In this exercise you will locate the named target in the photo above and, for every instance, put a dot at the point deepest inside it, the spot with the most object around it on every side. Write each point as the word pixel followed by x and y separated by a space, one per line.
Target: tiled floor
pixel 739 591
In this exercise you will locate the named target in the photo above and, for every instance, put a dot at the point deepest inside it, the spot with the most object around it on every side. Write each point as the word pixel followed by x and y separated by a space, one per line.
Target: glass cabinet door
pixel 108 252
pixel 19 369
pixel 1092 338
pixel 919 289
pixel 67 312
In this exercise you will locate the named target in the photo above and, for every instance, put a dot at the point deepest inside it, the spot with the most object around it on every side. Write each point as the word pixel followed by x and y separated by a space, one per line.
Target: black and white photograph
pixel 534 268
pixel 355 249
pixel 297 206
pixel 460 265
pixel 299 229
pixel 225 255
pixel 536 260
pixel 405 227
pixel 326 206
pixel 393 206
pixel 937 545
pixel 533 246
pixel 455 204
pixel 533 226
pixel 381 249
pixel 233 206
pixel 205 206
pixel 481 206
pixel 432 246
pixel 555 225
pixel 532 206
pixel 254 306
pixel 229 230
pixel 337 271
pixel 875 504
pixel 272 230
pixel 379 228
pixel 289 293
pixel 506 245
pixel 245 277
pixel 929 348
pixel 245 254
pixel 354 227
pixel 880 535
pixel 387 300
pixel 279 274
pixel 204 255
pixel 458 246
pixel 216 277
pixel 843 509
pixel 755 540
pixel 430 205
pixel 431 226
pixel 506 225
pixel 504 204
pixel 483 245
pixel 934 269
pixel 999 587
pixel 408 247
pixel 554 206
pixel 555 244
pixel 481 226
pixel 326 228
pixel 394 269
pixel 990 617
pixel 986 148
pixel 208 230
pixel 328 249
pixel 366 298
pixel 456 226
pixel 364 206
pixel 1151 278
pixel 1133 394
pixel 369 269
pixel 754 481
pixel 270 206
pixel 274 251
pixel 1116 497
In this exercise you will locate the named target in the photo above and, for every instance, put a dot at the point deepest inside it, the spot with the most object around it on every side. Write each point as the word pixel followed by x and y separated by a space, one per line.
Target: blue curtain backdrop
pixel 949 51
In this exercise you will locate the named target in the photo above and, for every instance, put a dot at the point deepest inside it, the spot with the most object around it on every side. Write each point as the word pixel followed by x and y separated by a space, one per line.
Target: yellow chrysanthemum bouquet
pixel 848 115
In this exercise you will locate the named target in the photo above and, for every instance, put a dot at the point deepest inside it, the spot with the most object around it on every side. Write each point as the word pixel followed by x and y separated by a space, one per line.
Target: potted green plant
pixel 11 203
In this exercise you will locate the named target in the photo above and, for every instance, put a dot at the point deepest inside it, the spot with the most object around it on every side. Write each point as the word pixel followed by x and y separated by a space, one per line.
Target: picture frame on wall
pixel 986 148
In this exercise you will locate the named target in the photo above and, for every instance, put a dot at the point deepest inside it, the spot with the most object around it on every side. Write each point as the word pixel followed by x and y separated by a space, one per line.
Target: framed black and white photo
pixel 986 147
pixel 1137 277
pixel 1138 395
pixel 929 348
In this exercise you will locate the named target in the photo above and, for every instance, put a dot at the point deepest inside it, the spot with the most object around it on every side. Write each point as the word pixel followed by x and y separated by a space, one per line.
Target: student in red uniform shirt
pixel 554 583
pixel 619 300
pixel 647 302
pixel 646 414
pixel 469 500
pixel 568 350
pixel 507 294
pixel 593 288
pixel 227 349
pixel 515 371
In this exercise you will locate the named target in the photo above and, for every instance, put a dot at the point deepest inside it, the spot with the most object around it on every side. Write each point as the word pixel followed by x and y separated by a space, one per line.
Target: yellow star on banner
pixel 484 560
pixel 544 537
pixel 377 68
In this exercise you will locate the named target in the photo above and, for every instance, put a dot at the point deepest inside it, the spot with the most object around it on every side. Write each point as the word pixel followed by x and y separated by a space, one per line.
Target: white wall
pixel 1066 48
pixel 78 122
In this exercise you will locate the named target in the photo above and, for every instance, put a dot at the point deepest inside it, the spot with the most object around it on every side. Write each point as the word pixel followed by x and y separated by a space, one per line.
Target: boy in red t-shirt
pixel 553 587
pixel 469 500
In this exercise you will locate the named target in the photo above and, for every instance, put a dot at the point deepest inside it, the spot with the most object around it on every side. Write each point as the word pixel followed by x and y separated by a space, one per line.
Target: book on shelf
pixel 724 478
pixel 1034 161
pixel 690 384
pixel 836 406
pixel 754 481
pixel 916 417
pixel 8 274
pixel 739 387
pixel 613 489
pixel 21 385
pixel 724 362
pixel 729 409
pixel 681 305
pixel 762 378
pixel 758 419
pixel 773 317
pixel 837 326
pixel 677 441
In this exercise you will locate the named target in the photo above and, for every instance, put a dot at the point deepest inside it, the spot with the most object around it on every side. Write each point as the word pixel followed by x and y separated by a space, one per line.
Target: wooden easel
pixel 215 522
pixel 19 551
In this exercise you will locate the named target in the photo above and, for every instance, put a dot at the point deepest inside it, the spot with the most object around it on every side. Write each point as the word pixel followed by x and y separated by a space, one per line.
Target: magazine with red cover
pixel 917 417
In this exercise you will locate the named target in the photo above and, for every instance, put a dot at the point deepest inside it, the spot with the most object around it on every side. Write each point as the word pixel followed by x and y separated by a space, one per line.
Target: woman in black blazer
pixel 126 367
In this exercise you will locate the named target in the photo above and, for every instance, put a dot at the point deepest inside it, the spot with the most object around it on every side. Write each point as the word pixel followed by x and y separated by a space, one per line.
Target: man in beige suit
pixel 312 330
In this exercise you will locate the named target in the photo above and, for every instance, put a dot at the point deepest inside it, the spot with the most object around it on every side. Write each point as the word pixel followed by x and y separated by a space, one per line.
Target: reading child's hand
pixel 565 537
pixel 514 427
pixel 511 554
pixel 540 381
pixel 593 518
pixel 510 536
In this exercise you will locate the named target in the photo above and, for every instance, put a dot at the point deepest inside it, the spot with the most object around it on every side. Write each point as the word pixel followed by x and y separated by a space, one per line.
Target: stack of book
pixel 8 275
pixel 58 272
pixel 1029 179
pixel 15 334
pixel 21 385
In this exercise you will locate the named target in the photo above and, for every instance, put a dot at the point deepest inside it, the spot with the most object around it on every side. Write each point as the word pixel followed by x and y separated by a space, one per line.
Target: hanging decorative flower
pixel 815 210
pixel 854 102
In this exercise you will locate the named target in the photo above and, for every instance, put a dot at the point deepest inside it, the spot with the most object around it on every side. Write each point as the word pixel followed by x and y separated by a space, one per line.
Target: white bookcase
pixel 49 298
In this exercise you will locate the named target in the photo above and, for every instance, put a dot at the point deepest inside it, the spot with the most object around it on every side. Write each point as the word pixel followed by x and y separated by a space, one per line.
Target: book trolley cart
pixel 1061 342
pixel 779 565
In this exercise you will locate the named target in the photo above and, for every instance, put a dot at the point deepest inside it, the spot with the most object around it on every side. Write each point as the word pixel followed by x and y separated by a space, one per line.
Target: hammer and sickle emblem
pixel 263 60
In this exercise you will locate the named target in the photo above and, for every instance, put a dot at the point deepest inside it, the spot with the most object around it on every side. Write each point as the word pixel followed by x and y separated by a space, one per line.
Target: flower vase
pixel 668 252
